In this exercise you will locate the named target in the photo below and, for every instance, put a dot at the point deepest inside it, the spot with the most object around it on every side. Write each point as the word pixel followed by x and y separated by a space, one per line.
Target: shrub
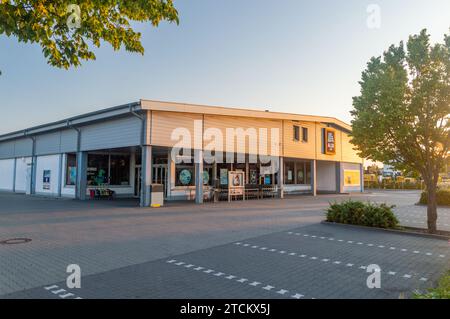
pixel 360 213
pixel 442 291
pixel 442 197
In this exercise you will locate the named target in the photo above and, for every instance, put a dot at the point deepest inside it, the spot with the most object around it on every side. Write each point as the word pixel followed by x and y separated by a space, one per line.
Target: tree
pixel 401 116
pixel 66 31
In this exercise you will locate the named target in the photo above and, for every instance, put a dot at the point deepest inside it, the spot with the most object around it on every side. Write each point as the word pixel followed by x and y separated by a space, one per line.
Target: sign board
pixel 46 176
pixel 236 185
pixel 223 176
pixel 352 178
pixel 330 142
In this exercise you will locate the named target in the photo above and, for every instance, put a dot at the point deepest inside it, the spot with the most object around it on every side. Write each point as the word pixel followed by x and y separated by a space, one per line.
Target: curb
pixel 409 232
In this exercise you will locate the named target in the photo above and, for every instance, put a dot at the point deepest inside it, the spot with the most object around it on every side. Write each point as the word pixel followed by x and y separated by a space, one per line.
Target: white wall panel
pixel 6 174
pixel 112 134
pixel 326 176
pixel 22 166
pixel 23 147
pixel 51 163
pixel 48 143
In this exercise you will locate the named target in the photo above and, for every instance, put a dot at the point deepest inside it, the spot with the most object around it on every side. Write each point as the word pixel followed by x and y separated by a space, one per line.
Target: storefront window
pixel 289 173
pixel 222 171
pixel 184 175
pixel 253 174
pixel 207 175
pixel 97 170
pixel 120 170
pixel 303 173
pixel 71 169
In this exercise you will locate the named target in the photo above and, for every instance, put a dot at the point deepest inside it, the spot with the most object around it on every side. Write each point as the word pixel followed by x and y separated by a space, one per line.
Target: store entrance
pixel 137 181
pixel 159 176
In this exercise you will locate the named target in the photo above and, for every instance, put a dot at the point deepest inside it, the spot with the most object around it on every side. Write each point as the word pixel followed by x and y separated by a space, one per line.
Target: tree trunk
pixel 432 208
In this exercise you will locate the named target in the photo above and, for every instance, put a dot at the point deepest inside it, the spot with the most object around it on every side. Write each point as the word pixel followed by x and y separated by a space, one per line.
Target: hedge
pixel 364 214
pixel 442 291
pixel 442 197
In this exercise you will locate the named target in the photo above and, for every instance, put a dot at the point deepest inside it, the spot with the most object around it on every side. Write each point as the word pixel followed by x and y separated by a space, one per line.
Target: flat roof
pixel 166 106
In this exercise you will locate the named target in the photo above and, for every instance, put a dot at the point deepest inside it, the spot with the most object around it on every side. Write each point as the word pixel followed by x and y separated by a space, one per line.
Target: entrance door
pixel 159 176
pixel 137 181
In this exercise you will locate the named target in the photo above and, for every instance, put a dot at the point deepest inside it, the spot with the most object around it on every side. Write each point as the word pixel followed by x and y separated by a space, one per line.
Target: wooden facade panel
pixel 349 154
pixel 265 135
pixel 298 149
pixel 165 127
pixel 337 157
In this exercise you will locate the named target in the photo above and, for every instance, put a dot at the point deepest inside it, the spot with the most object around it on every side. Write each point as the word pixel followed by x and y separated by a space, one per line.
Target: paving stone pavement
pixel 106 238
pixel 285 264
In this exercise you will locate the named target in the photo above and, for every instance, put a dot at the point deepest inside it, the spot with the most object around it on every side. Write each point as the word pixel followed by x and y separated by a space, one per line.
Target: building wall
pixel 350 167
pixel 164 123
pixel 319 144
pixel 6 174
pixel 298 149
pixel 349 154
pixel 121 132
pixel 263 129
pixel 16 148
pixel 326 176
pixel 51 163
pixel 23 169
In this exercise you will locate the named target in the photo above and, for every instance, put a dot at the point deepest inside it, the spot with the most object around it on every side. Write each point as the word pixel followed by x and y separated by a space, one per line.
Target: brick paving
pixel 124 251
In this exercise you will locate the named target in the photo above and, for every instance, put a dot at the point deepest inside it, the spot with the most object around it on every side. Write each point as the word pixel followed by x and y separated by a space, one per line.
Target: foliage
pixel 401 116
pixel 442 291
pixel 46 22
pixel 364 214
pixel 442 197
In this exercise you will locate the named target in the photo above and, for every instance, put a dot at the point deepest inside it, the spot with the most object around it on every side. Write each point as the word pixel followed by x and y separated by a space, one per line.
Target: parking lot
pixel 257 249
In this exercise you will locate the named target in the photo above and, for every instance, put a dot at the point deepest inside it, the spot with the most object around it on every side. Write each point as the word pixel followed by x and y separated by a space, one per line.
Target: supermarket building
pixel 186 148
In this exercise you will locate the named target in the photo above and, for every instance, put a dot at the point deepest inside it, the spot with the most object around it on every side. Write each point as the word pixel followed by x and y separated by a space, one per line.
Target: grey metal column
pixel 60 175
pixel 14 175
pixel 314 177
pixel 33 168
pixel 361 168
pixel 338 178
pixel 146 171
pixel 81 184
pixel 198 176
pixel 281 176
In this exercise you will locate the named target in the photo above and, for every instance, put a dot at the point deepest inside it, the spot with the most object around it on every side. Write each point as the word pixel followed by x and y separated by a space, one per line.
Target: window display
pixel 71 169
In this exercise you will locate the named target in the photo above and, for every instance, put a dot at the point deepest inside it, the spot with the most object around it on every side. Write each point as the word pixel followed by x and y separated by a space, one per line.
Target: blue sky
pixel 283 55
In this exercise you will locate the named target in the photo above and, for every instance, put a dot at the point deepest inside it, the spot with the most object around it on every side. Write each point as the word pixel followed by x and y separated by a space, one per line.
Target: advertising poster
pixel 330 142
pixel 46 179
pixel 236 185
pixel 223 176
pixel 352 178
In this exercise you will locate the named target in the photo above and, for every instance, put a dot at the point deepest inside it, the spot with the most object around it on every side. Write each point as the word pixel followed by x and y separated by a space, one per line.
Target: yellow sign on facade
pixel 352 178
pixel 330 142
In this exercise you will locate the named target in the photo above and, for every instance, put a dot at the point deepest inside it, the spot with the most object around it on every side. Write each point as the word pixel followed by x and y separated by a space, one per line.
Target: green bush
pixel 442 197
pixel 442 291
pixel 360 213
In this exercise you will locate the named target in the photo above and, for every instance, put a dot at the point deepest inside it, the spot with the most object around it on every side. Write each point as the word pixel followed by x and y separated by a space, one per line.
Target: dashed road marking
pixel 334 262
pixel 255 284
pixel 62 293
pixel 362 243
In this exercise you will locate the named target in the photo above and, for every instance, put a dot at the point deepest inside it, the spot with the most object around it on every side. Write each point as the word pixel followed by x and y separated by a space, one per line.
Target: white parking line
pixel 62 293
pixel 335 262
pixel 362 243
pixel 246 281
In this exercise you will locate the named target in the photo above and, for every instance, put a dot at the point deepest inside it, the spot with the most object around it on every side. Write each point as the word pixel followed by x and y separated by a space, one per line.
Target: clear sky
pixel 283 55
